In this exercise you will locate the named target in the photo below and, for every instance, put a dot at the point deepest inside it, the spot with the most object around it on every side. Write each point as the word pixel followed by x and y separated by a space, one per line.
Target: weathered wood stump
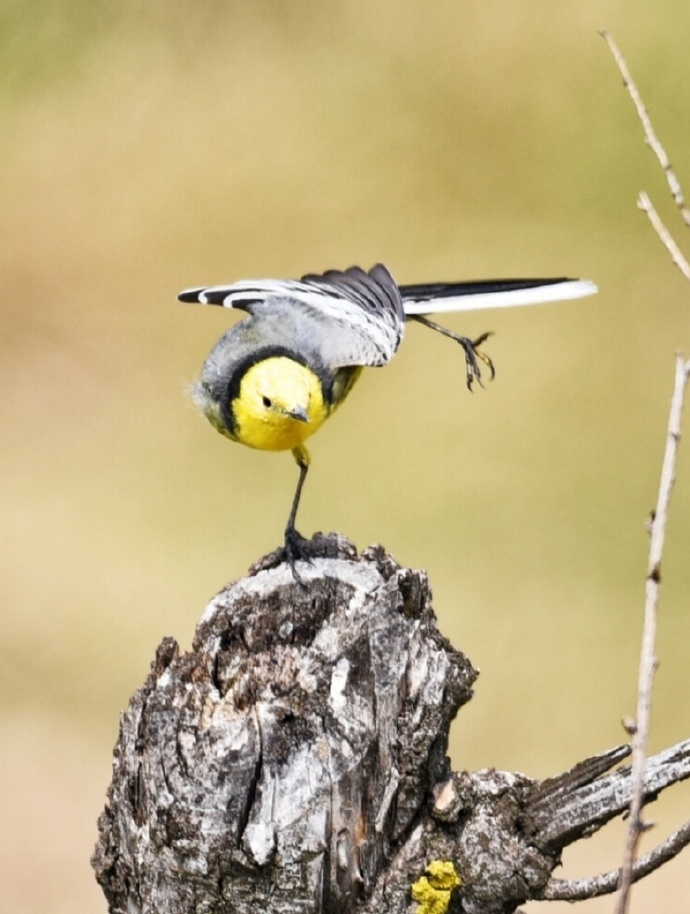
pixel 294 761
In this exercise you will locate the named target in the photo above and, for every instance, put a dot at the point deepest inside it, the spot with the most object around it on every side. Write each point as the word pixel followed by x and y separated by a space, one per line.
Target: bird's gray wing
pixel 347 318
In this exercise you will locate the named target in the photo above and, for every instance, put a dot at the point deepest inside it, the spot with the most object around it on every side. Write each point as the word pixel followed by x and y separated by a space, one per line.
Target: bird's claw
pixel 296 549
pixel 472 357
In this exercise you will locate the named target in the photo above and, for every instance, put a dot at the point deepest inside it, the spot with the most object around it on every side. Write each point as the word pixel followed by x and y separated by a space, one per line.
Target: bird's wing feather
pixel 436 298
pixel 356 318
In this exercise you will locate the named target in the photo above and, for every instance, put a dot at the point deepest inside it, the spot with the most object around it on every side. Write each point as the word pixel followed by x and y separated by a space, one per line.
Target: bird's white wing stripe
pixel 480 301
pixel 328 303
pixel 251 289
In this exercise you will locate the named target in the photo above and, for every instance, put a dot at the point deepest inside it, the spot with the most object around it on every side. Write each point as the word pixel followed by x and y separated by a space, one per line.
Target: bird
pixel 272 380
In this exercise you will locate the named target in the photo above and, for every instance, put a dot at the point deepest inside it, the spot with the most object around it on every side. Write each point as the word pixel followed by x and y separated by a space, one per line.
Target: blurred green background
pixel 147 147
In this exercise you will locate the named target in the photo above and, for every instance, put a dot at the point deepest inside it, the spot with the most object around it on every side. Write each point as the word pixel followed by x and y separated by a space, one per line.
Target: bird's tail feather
pixel 437 298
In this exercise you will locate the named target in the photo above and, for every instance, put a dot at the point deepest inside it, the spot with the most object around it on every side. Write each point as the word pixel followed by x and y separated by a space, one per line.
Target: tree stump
pixel 294 761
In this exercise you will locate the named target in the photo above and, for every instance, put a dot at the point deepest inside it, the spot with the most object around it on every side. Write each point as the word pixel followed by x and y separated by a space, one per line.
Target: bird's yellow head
pixel 279 404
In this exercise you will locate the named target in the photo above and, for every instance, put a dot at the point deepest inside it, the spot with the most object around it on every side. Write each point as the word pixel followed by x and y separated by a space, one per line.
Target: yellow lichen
pixel 432 891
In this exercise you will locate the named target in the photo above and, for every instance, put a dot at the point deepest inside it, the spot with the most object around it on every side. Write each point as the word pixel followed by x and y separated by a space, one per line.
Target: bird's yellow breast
pixel 280 403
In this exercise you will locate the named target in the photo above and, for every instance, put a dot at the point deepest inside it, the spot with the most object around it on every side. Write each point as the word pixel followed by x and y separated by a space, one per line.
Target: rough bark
pixel 294 760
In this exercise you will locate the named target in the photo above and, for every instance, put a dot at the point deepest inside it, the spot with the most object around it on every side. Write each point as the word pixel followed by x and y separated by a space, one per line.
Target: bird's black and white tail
pixel 437 298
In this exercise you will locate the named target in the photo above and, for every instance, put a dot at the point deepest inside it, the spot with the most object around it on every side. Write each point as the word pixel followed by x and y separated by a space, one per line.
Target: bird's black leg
pixel 470 348
pixel 294 541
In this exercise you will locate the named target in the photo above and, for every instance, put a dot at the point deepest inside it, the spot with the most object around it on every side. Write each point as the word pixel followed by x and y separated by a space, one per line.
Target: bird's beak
pixel 300 413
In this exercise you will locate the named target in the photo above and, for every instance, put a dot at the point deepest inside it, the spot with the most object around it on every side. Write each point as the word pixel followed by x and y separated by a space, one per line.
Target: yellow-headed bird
pixel 274 378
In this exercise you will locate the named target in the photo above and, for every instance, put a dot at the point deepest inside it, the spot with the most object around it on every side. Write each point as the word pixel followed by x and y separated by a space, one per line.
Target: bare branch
pixel 579 802
pixel 650 136
pixel 647 659
pixel 677 256
pixel 582 889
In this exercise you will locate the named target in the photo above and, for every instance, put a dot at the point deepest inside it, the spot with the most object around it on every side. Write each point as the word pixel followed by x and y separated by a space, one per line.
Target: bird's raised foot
pixel 473 356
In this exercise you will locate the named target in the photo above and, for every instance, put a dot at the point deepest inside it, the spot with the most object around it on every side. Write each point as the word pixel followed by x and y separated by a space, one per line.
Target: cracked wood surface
pixel 280 761
pixel 294 760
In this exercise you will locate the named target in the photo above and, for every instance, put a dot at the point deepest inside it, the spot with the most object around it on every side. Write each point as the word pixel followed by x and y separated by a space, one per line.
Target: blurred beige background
pixel 147 147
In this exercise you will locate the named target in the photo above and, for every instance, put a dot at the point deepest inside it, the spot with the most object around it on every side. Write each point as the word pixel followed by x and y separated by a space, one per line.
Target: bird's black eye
pixel 267 403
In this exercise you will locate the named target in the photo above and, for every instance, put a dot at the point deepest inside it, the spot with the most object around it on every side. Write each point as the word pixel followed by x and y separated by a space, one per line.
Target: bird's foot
pixel 473 355
pixel 296 549
pixel 320 546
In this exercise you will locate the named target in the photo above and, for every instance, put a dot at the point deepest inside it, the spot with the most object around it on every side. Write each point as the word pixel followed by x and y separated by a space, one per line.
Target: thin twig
pixel 677 256
pixel 594 886
pixel 658 521
pixel 650 136
pixel 647 659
